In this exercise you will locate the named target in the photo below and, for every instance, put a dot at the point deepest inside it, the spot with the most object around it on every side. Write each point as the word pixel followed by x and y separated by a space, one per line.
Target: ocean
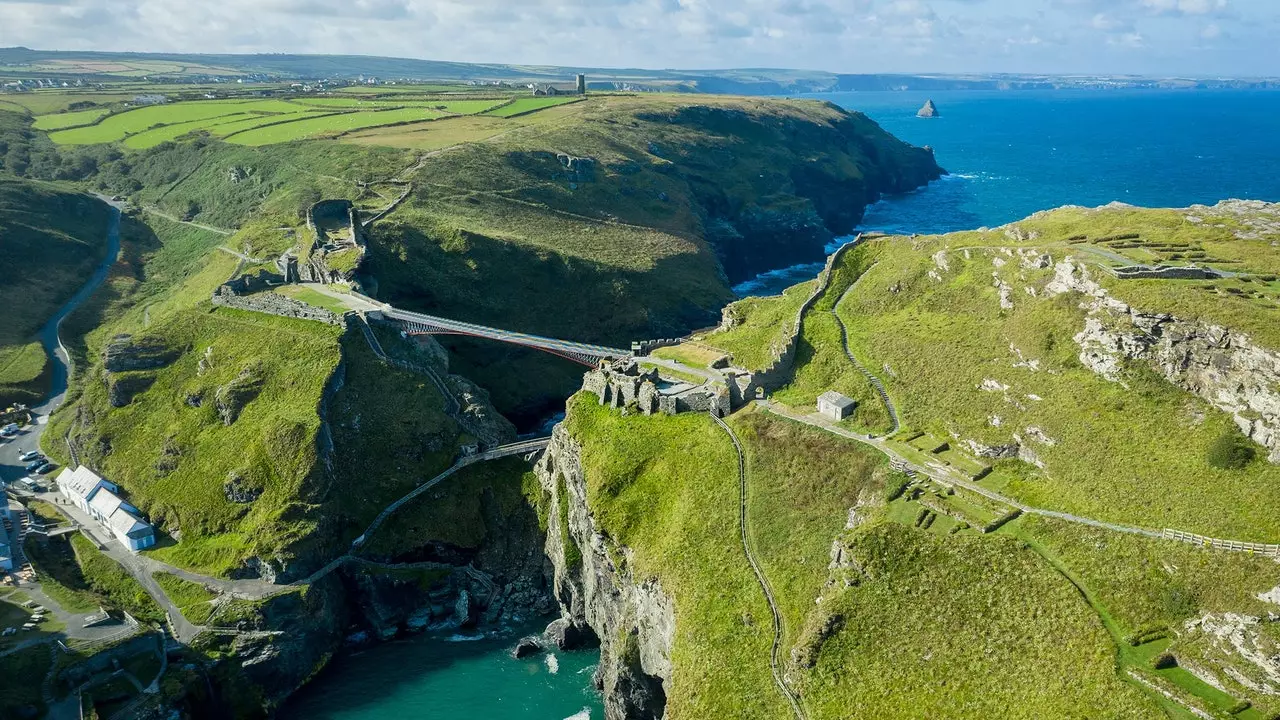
pixel 1015 153
pixel 1009 155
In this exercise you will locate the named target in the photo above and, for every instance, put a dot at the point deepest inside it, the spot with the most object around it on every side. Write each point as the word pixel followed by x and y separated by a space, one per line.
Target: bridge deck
pixel 445 325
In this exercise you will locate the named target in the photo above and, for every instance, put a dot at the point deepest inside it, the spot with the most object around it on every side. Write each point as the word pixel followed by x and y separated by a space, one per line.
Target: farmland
pixel 523 105
pixel 257 121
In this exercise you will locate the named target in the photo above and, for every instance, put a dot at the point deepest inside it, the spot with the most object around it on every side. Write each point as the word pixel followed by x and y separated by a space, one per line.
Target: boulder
pixel 929 110
pixel 568 635
pixel 527 647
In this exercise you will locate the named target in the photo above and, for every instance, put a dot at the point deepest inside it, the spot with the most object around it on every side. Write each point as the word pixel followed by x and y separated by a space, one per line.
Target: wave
pixel 775 281
pixel 553 663
pixel 583 714
pixel 459 637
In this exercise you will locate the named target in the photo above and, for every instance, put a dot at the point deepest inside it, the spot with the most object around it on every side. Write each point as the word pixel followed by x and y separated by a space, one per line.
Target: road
pixel 11 468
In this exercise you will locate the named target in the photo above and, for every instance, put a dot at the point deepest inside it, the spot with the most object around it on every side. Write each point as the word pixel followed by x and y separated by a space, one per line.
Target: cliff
pixel 633 619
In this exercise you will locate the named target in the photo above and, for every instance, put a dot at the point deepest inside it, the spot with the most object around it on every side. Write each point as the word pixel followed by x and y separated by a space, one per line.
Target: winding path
pixel 774 666
pixel 875 381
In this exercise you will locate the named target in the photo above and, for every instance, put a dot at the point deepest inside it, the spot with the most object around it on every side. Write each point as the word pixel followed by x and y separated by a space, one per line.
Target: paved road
pixel 774 665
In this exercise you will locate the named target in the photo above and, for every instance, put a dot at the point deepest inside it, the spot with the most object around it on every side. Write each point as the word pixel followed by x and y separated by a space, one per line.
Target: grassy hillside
pixel 978 337
pixel 50 242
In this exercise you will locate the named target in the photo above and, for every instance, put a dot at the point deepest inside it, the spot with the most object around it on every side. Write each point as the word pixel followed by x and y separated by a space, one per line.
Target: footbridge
pixel 412 323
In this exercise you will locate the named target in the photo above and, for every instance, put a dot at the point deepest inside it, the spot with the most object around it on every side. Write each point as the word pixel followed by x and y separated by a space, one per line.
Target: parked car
pixel 46 468
pixel 31 466
pixel 30 455
pixel 9 430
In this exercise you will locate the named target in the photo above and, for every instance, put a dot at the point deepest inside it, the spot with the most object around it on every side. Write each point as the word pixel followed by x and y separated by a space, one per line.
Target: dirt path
pixel 160 213
pixel 774 665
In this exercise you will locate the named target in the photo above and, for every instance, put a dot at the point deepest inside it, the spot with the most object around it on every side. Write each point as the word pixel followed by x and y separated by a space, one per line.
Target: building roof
pixel 834 398
pixel 81 482
pixel 123 523
pixel 105 502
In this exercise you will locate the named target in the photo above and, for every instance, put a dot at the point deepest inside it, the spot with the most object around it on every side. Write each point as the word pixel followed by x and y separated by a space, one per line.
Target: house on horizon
pixel 100 499
pixel 579 87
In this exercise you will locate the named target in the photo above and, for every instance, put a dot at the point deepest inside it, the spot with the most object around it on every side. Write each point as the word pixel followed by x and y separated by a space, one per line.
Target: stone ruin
pixel 622 383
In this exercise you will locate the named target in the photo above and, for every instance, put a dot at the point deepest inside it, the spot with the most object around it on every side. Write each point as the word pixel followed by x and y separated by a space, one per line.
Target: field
pixel 192 599
pixel 523 105
pixel 328 125
pixel 69 119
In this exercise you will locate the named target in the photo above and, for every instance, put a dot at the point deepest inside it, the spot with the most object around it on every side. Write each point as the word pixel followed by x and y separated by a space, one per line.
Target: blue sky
pixel 1160 37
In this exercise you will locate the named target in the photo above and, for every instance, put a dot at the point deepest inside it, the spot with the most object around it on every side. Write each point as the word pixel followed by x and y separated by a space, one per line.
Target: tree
pixel 1231 451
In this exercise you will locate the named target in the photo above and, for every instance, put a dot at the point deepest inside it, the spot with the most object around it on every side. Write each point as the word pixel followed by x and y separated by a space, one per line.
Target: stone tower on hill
pixel 582 84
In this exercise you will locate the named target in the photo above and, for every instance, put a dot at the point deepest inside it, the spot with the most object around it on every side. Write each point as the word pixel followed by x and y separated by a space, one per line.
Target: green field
pixel 69 119
pixel 121 125
pixel 523 105
pixel 193 600
pixel 328 125
pixel 763 326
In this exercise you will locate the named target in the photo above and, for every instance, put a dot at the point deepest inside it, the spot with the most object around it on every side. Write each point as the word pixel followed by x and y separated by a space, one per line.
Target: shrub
pixel 1164 661
pixel 1231 451
pixel 1240 707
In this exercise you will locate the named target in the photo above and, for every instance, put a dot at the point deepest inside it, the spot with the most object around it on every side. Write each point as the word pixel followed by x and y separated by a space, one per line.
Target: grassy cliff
pixel 1117 364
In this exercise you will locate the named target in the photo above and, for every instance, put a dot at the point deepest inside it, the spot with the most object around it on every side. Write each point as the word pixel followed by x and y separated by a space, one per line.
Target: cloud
pixel 1143 36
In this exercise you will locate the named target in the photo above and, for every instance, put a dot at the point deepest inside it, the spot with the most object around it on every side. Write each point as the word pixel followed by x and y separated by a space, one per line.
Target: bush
pixel 1240 707
pixel 1231 451
pixel 1164 661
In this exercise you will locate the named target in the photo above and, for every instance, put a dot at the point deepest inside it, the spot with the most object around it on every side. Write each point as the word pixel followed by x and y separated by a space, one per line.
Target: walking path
pixel 875 381
pixel 774 666
pixel 160 213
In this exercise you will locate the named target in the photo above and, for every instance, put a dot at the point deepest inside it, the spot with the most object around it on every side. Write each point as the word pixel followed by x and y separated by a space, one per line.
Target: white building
pixel 835 406
pixel 100 499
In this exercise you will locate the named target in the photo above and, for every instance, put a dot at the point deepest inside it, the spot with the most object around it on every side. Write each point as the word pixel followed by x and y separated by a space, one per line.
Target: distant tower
pixel 582 84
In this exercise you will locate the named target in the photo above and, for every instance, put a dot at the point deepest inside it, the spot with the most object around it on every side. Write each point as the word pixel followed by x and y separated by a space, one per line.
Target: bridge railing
pixel 518 338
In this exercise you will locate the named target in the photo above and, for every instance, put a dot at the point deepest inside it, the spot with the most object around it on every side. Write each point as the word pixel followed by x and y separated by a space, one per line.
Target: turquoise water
pixel 1013 154
pixel 451 675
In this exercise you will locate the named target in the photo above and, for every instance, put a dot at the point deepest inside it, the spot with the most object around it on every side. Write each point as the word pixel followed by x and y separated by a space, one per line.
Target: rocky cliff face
pixel 633 618
pixel 1223 367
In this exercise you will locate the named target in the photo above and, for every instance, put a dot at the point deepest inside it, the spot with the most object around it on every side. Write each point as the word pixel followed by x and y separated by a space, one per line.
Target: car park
pixel 31 466
pixel 30 455
pixel 46 468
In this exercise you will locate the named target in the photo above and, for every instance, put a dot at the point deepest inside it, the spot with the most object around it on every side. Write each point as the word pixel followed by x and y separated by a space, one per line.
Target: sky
pixel 1146 37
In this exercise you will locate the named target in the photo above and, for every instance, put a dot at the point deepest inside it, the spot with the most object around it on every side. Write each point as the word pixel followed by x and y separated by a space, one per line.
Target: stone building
pixel 835 406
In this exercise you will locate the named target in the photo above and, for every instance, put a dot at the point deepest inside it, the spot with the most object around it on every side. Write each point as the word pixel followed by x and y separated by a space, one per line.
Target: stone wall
pixel 779 371
pixel 274 304
pixel 623 383
pixel 1165 272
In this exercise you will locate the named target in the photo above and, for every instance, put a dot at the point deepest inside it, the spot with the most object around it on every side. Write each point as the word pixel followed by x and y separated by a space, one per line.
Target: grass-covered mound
pixel 52 241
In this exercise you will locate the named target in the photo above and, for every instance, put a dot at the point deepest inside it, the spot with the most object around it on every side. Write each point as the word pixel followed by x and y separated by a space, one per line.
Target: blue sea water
pixel 1011 154
pixel 451 674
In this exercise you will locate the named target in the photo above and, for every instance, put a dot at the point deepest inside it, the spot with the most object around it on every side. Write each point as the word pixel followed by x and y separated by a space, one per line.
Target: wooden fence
pixel 1233 545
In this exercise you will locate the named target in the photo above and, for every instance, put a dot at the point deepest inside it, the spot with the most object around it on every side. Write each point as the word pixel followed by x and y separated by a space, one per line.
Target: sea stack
pixel 929 110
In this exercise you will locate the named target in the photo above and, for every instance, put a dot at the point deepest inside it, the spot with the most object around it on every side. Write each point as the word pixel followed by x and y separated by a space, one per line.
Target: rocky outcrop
pixel 230 399
pixel 929 110
pixel 125 354
pixel 273 304
pixel 632 617
pixel 1224 367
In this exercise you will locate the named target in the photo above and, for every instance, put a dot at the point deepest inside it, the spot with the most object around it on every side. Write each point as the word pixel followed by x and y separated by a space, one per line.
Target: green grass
pixel 523 105
pixel 763 328
pixel 223 129
pixel 112 582
pixel 53 239
pixel 31 665
pixel 455 512
pixel 963 626
pixel 667 487
pixel 943 340
pixel 691 354
pixel 313 297
pixel 194 601
pixel 801 484
pixel 327 126
pixel 21 363
pixel 69 119
pixel 61 577
pixel 121 125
